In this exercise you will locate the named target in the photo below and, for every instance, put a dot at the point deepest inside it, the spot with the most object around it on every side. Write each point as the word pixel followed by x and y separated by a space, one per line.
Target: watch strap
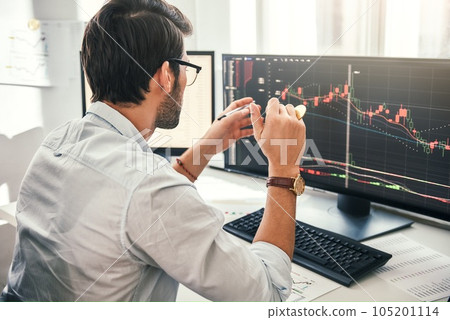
pixel 282 182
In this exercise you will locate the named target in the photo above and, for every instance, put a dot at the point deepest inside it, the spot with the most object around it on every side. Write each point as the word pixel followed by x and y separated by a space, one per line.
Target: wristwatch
pixel 296 185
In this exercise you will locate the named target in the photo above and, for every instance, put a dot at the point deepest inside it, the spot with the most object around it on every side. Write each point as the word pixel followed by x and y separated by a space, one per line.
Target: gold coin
pixel 34 24
pixel 300 111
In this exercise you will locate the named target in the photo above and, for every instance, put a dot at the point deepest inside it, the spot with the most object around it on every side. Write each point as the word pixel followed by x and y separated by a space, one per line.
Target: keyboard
pixel 331 255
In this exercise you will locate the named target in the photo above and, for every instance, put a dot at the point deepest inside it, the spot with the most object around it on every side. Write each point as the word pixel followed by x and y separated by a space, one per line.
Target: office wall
pixel 27 112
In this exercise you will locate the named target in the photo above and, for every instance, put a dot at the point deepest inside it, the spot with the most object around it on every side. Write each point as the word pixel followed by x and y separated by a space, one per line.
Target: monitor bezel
pixel 423 211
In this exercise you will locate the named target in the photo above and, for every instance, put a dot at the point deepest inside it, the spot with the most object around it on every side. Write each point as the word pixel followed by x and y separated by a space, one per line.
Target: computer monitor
pixel 377 130
pixel 197 112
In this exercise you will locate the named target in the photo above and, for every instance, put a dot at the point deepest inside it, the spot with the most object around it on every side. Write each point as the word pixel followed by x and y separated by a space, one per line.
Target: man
pixel 92 228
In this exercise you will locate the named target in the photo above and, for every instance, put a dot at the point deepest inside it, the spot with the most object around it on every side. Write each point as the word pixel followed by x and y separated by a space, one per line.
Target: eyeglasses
pixel 191 76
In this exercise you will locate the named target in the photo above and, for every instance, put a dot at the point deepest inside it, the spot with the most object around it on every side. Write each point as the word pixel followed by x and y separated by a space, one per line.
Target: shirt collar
pixel 118 122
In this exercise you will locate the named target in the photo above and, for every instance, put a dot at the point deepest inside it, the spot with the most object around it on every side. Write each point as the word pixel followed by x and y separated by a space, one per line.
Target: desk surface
pixel 368 289
pixel 234 205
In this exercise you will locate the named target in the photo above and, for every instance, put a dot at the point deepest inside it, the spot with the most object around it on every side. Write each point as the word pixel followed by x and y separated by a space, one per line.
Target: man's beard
pixel 169 110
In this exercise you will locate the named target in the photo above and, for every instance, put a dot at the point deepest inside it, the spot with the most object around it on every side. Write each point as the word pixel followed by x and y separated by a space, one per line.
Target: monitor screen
pixel 377 128
pixel 197 112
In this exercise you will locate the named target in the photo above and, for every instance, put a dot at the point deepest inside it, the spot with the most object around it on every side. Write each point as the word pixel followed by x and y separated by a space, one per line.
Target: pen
pixel 233 111
pixel 300 111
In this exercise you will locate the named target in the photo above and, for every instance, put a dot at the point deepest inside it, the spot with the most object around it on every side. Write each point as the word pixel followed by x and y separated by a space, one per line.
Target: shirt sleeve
pixel 277 266
pixel 169 226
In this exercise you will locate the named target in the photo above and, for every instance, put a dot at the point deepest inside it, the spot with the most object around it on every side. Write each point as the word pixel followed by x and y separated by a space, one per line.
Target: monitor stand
pixel 354 218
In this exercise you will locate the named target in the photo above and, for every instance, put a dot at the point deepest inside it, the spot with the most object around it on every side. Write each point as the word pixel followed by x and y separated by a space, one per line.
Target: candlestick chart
pixel 381 125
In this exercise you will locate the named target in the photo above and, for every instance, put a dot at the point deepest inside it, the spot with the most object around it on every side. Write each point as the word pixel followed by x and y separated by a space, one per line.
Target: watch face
pixel 299 185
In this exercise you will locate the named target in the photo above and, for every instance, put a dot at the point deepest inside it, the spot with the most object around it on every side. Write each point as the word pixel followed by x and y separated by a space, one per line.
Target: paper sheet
pixel 414 268
pixel 307 286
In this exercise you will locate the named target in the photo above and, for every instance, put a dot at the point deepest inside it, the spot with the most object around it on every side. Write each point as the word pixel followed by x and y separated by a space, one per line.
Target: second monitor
pixel 197 113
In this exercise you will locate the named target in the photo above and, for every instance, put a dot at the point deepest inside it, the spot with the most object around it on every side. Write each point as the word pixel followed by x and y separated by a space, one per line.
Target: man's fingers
pixel 290 110
pixel 238 103
pixel 273 106
pixel 257 121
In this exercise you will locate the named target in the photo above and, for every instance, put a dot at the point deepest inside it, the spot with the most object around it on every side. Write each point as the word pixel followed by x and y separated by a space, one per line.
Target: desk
pixel 369 287
pixel 234 205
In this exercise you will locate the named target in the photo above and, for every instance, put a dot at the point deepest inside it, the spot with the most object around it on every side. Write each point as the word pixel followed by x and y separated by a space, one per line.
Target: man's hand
pixel 281 137
pixel 218 138
pixel 230 129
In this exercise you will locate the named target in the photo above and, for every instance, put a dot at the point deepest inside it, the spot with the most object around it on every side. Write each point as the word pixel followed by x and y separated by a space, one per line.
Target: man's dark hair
pixel 128 40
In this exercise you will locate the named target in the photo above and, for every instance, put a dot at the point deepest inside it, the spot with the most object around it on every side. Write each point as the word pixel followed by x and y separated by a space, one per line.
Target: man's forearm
pixel 278 224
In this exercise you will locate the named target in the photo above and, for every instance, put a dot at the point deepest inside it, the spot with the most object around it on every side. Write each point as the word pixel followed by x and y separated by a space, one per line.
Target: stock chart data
pixel 375 126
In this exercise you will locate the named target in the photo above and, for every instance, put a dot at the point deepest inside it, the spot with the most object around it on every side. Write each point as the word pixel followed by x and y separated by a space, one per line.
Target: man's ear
pixel 165 77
